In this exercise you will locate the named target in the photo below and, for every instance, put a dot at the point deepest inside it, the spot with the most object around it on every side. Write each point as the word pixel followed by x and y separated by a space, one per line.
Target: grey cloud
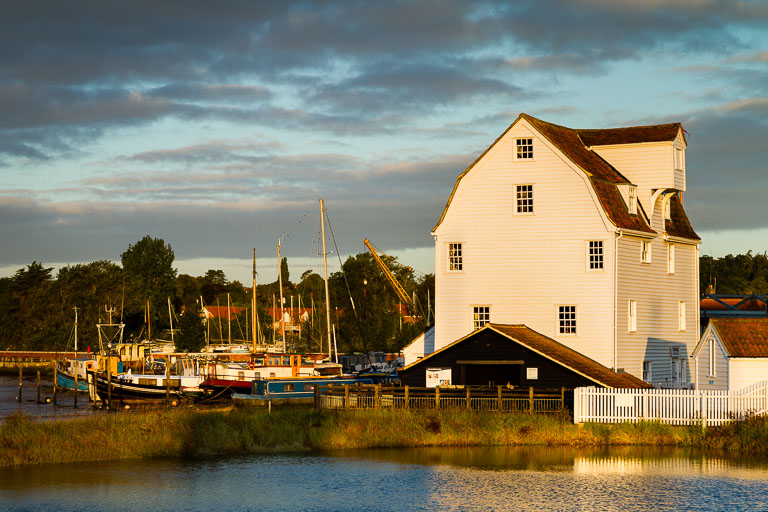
pixel 726 166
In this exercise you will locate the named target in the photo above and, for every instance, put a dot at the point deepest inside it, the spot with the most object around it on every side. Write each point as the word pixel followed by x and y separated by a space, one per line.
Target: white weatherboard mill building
pixel 581 235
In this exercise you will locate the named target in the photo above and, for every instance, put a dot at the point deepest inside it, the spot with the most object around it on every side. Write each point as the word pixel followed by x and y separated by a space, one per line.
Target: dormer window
pixel 632 202
pixel 678 159
pixel 524 149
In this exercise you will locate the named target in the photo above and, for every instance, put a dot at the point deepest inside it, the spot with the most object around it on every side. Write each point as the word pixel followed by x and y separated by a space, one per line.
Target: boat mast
pixel 229 320
pixel 75 332
pixel 253 307
pixel 325 277
pixel 170 317
pixel 280 284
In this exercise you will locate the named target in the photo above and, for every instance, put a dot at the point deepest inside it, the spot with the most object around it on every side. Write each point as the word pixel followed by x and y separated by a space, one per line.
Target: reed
pixel 189 433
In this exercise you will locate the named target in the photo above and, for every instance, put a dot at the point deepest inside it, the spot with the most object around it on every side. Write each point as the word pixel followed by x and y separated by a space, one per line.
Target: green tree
pixel 191 335
pixel 150 275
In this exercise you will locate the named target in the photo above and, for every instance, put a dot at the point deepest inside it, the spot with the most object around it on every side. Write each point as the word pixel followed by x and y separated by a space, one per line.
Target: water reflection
pixel 499 478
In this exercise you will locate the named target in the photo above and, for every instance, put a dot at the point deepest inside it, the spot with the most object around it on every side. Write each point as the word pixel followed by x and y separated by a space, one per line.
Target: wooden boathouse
pixel 512 355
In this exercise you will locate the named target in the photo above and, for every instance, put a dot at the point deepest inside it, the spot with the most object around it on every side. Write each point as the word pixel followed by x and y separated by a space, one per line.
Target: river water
pixel 536 479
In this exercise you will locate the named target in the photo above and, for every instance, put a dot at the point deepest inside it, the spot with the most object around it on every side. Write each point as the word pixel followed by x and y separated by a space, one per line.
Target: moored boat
pixel 289 391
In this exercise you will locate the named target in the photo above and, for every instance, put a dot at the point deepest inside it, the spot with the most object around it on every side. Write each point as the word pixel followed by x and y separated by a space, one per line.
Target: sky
pixel 218 126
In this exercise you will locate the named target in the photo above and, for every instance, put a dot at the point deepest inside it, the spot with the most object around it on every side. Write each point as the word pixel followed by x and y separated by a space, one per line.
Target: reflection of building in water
pixel 667 466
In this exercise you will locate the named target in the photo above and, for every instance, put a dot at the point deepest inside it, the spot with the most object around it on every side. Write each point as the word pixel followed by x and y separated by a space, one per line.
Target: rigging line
pixel 349 292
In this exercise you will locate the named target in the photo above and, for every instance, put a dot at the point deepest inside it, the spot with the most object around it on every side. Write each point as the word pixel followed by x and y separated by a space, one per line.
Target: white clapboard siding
pixel 668 406
pixel 743 371
pixel 658 294
pixel 720 380
pixel 524 266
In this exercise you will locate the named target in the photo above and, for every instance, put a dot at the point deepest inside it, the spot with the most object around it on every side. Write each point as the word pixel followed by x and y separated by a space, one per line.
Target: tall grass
pixel 189 433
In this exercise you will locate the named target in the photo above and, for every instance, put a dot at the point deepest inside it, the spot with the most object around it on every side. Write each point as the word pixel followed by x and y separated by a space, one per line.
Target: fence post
pixel 346 396
pixel 530 400
pixel 20 383
pixel 499 403
pixel 437 397
pixel 469 399
pixel 407 397
pixel 376 396
pixel 562 398
pixel 577 406
pixel 765 396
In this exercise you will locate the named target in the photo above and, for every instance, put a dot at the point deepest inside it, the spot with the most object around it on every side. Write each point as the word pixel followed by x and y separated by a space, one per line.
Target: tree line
pixel 145 292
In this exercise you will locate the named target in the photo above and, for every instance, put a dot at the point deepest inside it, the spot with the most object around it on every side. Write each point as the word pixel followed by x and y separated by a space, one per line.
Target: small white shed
pixel 731 354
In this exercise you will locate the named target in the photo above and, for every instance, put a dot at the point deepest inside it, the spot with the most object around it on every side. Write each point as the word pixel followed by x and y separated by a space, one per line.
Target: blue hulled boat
pixel 289 391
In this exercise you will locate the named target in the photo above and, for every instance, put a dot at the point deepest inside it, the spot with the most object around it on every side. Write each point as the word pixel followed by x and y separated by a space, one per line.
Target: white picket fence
pixel 670 406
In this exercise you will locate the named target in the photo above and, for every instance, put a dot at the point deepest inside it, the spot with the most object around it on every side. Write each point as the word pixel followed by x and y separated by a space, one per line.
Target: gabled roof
pixel 603 176
pixel 557 352
pixel 743 337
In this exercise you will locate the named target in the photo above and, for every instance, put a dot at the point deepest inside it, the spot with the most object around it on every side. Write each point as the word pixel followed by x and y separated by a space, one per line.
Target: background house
pixel 731 354
pixel 581 235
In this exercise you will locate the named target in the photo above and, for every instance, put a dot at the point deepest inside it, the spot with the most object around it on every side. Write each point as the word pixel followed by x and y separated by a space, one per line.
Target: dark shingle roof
pixel 632 134
pixel 568 357
pixel 743 337
pixel 678 224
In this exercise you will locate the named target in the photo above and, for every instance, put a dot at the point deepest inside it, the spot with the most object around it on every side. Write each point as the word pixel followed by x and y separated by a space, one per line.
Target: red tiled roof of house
pixel 678 225
pixel 568 357
pixel 709 304
pixel 221 311
pixel 743 337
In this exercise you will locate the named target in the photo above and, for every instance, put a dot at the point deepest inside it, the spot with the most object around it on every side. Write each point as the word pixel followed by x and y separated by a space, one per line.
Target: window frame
pixel 681 317
pixel 678 158
pixel 647 371
pixel 523 147
pixel 476 312
pixel 566 320
pixel 632 316
pixel 524 205
pixel 645 251
pixel 632 200
pixel 590 255
pixel 670 258
pixel 455 259
pixel 712 360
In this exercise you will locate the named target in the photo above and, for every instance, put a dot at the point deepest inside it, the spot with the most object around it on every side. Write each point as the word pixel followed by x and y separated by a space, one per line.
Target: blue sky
pixel 217 126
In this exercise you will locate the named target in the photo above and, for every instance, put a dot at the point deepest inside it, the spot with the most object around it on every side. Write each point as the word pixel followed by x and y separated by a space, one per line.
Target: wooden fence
pixel 670 406
pixel 499 398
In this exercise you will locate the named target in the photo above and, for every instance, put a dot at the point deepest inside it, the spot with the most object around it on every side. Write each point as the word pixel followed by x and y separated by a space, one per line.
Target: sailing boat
pixel 72 373
pixel 327 367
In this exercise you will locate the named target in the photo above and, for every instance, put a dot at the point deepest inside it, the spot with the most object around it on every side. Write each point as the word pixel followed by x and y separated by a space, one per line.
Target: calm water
pixel 9 391
pixel 526 479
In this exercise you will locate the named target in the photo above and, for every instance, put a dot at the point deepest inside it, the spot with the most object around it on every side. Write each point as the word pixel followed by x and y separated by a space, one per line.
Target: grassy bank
pixel 189 433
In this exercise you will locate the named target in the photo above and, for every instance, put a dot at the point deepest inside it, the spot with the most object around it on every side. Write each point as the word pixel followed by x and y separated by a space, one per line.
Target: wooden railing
pixel 499 398
pixel 670 406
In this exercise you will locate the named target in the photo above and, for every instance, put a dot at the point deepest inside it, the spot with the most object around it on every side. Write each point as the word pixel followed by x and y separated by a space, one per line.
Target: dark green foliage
pixel 740 274
pixel 191 335
pixel 150 276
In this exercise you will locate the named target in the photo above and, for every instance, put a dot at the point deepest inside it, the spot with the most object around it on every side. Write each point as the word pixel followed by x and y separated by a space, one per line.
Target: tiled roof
pixel 632 134
pixel 678 224
pixel 223 312
pixel 568 357
pixel 743 337
pixel 753 304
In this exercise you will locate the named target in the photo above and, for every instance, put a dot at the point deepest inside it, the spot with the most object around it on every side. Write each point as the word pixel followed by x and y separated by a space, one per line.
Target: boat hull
pixel 68 382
